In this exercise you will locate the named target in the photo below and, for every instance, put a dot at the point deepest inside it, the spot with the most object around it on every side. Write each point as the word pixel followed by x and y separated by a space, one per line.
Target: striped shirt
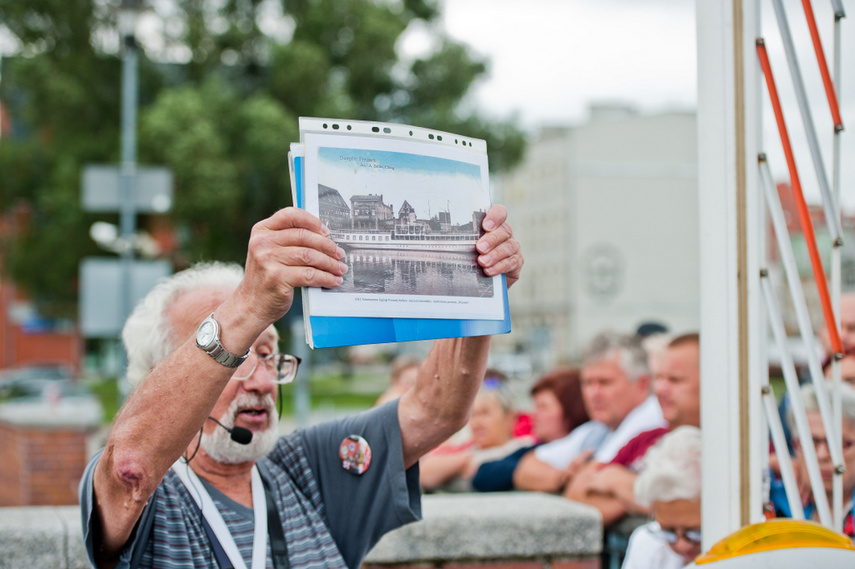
pixel 331 517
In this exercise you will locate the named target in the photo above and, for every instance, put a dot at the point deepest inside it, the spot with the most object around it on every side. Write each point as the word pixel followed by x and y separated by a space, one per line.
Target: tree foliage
pixel 221 118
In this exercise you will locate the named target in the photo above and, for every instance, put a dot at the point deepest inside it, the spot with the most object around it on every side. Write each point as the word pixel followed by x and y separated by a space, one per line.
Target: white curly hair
pixel 147 333
pixel 672 468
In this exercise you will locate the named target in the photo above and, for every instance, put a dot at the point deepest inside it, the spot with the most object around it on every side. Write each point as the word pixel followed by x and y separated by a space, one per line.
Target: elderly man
pixel 175 489
pixel 826 465
pixel 677 386
pixel 616 391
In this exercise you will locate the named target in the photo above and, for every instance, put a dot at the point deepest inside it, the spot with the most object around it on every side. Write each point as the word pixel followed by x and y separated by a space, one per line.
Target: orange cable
pixel 830 93
pixel 804 214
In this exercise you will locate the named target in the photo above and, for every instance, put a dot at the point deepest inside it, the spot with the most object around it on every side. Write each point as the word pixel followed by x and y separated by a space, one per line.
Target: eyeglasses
pixel 673 535
pixel 282 366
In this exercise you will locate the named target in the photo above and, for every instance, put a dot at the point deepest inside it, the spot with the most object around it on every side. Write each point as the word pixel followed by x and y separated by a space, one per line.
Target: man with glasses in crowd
pixel 194 473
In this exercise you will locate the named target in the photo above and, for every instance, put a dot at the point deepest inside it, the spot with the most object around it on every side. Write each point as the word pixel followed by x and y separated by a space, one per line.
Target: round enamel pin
pixel 355 454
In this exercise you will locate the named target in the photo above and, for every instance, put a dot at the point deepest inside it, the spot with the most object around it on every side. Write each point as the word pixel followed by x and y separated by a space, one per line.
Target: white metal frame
pixel 736 295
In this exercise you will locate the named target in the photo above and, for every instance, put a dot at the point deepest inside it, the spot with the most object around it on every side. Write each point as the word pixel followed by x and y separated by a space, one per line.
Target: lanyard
pixel 218 525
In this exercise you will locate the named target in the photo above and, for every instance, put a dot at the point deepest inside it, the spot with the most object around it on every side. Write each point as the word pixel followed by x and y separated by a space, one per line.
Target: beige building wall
pixel 607 214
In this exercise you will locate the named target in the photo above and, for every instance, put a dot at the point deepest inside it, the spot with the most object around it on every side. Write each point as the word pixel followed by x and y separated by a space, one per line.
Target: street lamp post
pixel 129 11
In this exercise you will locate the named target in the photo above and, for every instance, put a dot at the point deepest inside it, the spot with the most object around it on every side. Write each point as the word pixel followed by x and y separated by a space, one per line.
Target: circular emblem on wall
pixel 604 271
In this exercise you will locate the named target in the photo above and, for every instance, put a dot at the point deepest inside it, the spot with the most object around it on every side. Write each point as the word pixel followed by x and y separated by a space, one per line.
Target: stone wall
pixel 516 530
pixel 459 531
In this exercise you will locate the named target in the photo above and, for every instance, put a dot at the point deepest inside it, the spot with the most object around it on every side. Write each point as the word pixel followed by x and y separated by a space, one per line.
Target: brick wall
pixel 41 466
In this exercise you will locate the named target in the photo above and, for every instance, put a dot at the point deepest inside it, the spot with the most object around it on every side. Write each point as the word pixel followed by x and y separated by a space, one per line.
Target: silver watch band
pixel 208 339
pixel 225 357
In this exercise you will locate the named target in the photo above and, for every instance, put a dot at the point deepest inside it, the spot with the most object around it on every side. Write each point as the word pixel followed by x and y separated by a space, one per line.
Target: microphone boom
pixel 238 434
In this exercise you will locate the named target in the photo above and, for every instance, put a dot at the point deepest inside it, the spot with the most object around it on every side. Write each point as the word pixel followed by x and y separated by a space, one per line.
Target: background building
pixel 607 213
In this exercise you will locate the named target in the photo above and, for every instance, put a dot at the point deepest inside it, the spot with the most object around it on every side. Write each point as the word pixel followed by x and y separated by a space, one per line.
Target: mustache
pixel 246 401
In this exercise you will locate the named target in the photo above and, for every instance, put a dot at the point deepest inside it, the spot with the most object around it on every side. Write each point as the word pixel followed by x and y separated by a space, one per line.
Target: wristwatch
pixel 208 339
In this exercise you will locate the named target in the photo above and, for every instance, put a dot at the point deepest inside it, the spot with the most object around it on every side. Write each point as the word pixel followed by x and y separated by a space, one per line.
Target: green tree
pixel 222 119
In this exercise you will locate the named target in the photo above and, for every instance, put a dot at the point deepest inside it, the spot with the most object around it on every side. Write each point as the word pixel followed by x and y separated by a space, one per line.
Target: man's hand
pixel 609 488
pixel 499 251
pixel 290 249
pixel 576 465
pixel 606 480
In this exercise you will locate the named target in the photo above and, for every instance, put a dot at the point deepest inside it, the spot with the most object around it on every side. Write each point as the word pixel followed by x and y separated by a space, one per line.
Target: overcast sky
pixel 549 59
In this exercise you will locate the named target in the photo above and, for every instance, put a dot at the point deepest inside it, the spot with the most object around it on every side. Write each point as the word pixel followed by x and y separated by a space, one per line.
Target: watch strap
pixel 225 357
pixel 219 353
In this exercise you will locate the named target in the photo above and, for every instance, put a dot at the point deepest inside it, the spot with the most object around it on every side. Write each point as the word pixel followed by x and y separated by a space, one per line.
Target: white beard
pixel 219 445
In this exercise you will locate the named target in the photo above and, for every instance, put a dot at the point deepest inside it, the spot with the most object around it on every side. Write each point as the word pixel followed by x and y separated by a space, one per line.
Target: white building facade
pixel 607 214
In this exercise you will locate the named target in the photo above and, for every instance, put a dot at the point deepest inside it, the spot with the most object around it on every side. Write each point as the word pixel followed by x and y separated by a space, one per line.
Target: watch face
pixel 206 333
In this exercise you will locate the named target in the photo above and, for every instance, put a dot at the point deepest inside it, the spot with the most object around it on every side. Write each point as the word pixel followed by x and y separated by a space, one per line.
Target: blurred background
pixel 587 107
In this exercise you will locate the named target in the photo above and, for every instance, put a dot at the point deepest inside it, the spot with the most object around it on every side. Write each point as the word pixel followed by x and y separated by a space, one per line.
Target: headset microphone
pixel 238 434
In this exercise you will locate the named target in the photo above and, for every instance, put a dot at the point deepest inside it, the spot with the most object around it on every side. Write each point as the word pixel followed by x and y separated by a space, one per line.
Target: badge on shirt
pixel 355 454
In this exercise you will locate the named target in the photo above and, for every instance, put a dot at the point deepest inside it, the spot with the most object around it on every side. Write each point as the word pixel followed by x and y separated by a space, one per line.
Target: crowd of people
pixel 621 433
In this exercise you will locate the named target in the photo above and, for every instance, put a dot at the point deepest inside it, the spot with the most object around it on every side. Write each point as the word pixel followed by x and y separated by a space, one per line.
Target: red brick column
pixel 41 466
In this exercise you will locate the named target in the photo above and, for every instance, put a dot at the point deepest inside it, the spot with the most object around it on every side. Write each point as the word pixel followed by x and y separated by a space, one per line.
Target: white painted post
pixel 733 328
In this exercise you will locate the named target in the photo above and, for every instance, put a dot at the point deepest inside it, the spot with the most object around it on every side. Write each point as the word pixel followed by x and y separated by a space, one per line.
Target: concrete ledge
pixel 483 528
pixel 512 525
pixel 41 537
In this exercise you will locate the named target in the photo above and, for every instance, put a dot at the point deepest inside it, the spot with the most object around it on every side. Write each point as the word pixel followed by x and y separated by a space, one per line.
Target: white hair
pixel 672 468
pixel 148 334
pixel 626 348
pixel 809 397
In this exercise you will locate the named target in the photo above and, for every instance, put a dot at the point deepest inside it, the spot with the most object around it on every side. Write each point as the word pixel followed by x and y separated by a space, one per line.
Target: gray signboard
pixel 101 294
pixel 102 189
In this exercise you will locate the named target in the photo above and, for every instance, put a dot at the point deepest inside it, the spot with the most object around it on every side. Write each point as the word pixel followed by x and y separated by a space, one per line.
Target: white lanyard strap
pixel 210 512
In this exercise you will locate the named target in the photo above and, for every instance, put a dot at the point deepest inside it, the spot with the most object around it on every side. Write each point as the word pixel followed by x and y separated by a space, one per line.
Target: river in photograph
pixel 414 272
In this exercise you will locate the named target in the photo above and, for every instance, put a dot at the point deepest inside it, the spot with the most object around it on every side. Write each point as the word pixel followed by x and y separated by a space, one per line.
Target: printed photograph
pixel 408 223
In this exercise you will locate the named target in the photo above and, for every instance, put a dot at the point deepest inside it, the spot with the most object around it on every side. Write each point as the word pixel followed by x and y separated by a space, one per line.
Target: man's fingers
pixel 301 238
pixel 494 237
pixel 507 259
pixel 303 266
pixel 504 251
pixel 510 267
pixel 495 217
pixel 294 217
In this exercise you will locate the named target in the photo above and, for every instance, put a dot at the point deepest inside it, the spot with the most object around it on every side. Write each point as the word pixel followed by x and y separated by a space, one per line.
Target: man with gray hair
pixel 677 386
pixel 616 391
pixel 194 474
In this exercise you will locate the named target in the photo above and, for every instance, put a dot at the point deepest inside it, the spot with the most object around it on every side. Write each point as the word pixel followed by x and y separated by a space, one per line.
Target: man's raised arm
pixel 440 402
pixel 165 412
